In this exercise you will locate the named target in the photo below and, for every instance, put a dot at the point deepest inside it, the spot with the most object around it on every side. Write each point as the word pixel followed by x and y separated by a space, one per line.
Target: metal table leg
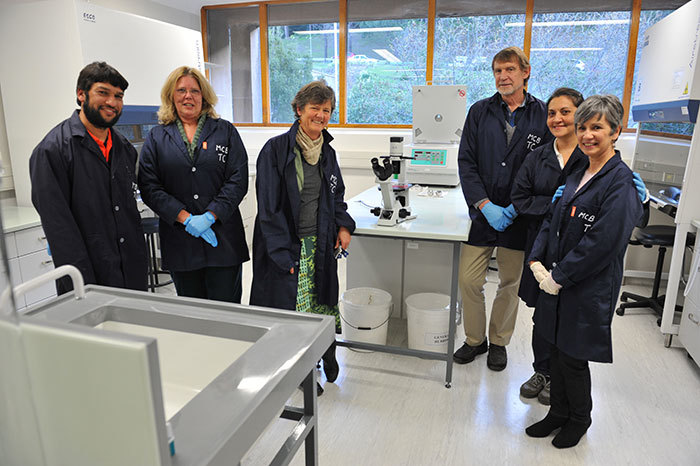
pixel 305 430
pixel 453 313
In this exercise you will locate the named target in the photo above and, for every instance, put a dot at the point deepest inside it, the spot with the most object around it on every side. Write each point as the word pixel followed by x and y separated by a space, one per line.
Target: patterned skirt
pixel 307 297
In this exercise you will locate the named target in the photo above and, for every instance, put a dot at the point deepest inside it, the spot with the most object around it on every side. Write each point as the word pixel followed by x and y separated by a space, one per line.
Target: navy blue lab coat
pixel 88 206
pixel 538 178
pixel 487 166
pixel 583 242
pixel 276 245
pixel 215 180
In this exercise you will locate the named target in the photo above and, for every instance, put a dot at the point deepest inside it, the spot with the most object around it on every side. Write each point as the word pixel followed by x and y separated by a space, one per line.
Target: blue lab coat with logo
pixel 583 243
pixel 215 180
pixel 487 166
pixel 276 245
pixel 88 206
pixel 533 188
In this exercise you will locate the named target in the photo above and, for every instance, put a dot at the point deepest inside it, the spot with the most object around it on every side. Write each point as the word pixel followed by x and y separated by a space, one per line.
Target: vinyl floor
pixel 395 410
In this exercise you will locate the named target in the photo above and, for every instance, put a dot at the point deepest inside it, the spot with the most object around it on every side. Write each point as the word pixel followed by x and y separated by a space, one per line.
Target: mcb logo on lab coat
pixel 222 152
pixel 532 141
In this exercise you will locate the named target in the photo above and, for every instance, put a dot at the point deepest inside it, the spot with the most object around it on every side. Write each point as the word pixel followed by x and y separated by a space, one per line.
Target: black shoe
pixel 467 353
pixel 571 433
pixel 546 426
pixel 498 358
pixel 534 385
pixel 330 364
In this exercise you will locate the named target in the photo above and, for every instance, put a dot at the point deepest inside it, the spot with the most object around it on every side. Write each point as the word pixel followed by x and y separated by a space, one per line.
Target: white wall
pixel 355 148
pixel 23 78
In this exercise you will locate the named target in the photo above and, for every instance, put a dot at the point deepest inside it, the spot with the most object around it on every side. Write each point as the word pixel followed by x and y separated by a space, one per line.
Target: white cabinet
pixel 28 258
pixel 31 266
pixel 30 240
pixel 689 332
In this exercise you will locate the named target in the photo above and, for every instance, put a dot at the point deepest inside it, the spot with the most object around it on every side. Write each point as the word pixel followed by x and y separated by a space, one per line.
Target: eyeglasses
pixel 194 92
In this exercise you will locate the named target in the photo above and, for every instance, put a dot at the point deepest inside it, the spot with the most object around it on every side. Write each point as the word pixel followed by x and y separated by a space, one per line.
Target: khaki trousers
pixel 473 265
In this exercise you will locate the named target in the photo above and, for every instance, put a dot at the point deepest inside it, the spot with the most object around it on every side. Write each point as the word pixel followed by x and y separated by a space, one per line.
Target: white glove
pixel 549 286
pixel 538 271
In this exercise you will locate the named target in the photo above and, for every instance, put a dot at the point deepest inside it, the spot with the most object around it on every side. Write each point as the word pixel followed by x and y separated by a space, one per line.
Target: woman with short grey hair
pixel 580 250
pixel 303 226
pixel 601 106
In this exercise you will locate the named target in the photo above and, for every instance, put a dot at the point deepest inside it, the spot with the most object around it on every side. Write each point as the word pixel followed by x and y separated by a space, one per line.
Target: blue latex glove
pixel 510 212
pixel 195 225
pixel 496 216
pixel 48 249
pixel 210 237
pixel 641 187
pixel 558 193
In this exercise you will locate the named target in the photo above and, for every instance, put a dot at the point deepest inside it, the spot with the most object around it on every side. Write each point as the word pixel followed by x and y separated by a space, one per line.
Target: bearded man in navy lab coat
pixel 498 133
pixel 83 186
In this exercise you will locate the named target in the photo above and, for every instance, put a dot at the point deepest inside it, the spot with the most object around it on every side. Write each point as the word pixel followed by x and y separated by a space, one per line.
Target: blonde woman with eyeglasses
pixel 194 174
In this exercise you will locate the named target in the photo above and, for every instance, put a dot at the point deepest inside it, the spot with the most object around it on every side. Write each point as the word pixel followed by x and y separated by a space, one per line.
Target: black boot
pixel 546 426
pixel 558 414
pixel 330 364
pixel 571 433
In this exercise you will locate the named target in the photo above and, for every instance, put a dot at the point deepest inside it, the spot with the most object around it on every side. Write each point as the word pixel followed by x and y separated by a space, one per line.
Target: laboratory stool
pixel 150 230
pixel 650 236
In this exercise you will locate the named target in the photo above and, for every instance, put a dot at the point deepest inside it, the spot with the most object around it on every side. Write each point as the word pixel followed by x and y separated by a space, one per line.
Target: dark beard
pixel 93 115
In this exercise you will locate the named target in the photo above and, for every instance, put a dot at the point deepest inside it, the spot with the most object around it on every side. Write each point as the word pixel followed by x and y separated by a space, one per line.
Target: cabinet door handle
pixel 42 238
pixel 47 262
pixel 692 318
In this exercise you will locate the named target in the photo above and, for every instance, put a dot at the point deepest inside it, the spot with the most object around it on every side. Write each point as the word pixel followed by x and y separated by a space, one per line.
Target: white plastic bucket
pixel 364 315
pixel 428 321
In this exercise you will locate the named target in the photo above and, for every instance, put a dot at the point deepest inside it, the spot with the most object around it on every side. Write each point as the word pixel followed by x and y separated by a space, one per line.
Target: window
pixel 578 44
pixel 586 51
pixel 467 39
pixel 685 129
pixel 300 52
pixel 385 58
pixel 233 62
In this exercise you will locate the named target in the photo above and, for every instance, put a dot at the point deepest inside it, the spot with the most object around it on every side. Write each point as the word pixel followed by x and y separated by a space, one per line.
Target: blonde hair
pixel 167 113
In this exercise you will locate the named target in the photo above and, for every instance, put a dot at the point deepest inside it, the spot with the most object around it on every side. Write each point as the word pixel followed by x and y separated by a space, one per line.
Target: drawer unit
pixel 689 331
pixel 30 240
pixel 28 258
pixel 16 279
pixel 11 245
pixel 31 266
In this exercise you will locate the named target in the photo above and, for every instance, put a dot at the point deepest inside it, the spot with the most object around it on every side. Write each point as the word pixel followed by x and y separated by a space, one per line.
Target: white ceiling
pixel 195 6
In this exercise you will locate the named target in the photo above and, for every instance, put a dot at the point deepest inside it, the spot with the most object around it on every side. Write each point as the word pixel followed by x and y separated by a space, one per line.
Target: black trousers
pixel 541 351
pixel 570 387
pixel 217 283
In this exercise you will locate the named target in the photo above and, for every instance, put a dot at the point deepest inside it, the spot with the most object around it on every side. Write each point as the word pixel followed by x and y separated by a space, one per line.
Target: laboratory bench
pixel 416 256
pixel 220 373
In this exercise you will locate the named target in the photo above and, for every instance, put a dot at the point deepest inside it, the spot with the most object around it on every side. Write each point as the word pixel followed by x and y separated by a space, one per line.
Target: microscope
pixel 395 190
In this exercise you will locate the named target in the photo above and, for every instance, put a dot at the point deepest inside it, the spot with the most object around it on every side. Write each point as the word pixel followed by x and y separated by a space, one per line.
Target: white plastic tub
pixel 428 317
pixel 364 315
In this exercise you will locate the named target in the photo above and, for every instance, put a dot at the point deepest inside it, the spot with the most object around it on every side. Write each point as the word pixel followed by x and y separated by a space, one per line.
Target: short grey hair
pixel 316 92
pixel 608 106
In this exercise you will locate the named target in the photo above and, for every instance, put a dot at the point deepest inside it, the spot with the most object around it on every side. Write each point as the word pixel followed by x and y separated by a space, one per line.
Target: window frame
pixel 342 59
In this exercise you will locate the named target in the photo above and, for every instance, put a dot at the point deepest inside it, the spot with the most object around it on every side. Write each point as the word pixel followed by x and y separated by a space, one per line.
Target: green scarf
pixel 191 146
